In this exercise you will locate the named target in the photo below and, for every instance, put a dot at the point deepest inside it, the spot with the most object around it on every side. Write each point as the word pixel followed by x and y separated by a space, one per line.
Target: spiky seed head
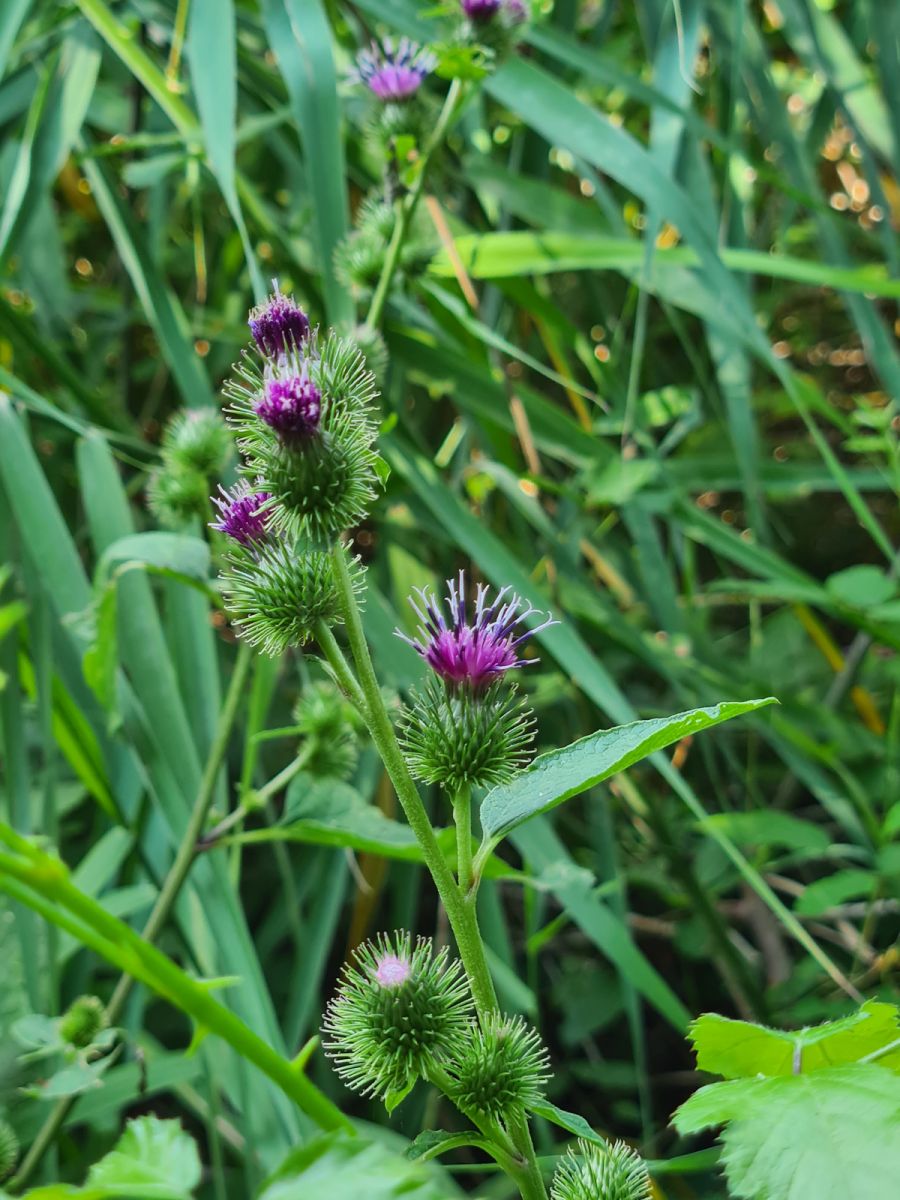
pixel 82 1021
pixel 399 1010
pixel 277 595
pixel 592 1172
pixel 9 1149
pixel 323 716
pixel 199 439
pixel 462 739
pixel 503 1066
pixel 176 494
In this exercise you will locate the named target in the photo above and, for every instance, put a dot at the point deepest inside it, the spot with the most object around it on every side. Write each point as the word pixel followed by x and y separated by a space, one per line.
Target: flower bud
pixel 176 494
pixel 459 739
pixel 612 1172
pixel 502 1067
pixel 278 593
pixel 82 1021
pixel 198 439
pixel 9 1149
pixel 330 722
pixel 400 1009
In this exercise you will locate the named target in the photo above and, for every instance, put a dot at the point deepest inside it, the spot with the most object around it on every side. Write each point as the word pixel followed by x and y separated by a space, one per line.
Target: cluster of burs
pixel 404 1012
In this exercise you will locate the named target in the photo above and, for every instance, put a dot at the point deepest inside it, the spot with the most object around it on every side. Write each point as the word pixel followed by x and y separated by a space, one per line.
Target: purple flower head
pixel 392 971
pixel 472 654
pixel 240 514
pixel 291 405
pixel 278 325
pixel 481 10
pixel 394 73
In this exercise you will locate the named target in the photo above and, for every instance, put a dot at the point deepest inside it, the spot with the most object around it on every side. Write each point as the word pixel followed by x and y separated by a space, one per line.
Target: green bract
pixel 278 595
pixel 400 1010
pixel 197 438
pixel 502 1068
pixel 82 1021
pixel 615 1172
pixel 325 718
pixel 458 739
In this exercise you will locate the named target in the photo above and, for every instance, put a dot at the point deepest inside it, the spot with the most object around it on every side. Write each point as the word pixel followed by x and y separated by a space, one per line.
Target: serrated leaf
pixel 738 1049
pixel 153 1160
pixel 830 1135
pixel 561 774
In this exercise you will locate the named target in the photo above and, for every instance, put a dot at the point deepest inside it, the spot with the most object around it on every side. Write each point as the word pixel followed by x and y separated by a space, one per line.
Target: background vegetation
pixel 642 367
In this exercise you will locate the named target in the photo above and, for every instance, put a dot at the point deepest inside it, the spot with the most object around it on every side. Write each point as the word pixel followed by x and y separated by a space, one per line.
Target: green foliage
pixel 329 1167
pixel 812 1113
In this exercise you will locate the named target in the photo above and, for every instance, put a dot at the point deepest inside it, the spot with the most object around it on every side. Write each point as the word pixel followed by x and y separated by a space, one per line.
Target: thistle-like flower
pixel 613 1172
pixel 279 325
pixel 291 405
pixel 503 1068
pixel 394 73
pixel 177 493
pixel 400 1010
pixel 82 1021
pixel 241 514
pixel 458 739
pixel 472 655
pixel 330 724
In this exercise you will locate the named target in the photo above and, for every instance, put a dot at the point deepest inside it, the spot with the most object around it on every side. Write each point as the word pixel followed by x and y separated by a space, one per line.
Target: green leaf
pixel 571 1122
pixel 830 1135
pixel 862 586
pixel 336 1167
pixel 765 828
pixel 175 554
pixel 739 1048
pixel 153 1160
pixel 561 774
pixel 835 889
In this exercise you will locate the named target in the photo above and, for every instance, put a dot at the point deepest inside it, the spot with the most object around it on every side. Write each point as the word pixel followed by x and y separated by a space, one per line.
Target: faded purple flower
pixel 278 325
pixel 291 405
pixel 394 73
pixel 471 655
pixel 392 971
pixel 481 10
pixel 240 514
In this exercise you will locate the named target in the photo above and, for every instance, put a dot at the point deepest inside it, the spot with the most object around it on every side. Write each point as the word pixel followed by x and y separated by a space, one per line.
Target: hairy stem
pixel 459 906
pixel 462 816
pixel 407 206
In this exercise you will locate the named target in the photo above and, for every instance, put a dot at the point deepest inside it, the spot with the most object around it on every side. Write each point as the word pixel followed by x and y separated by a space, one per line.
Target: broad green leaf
pixel 737 1048
pixel 153 1160
pixel 342 1168
pixel 173 553
pixel 862 586
pixel 830 1135
pixel 851 884
pixel 561 774
pixel 571 1122
pixel 765 828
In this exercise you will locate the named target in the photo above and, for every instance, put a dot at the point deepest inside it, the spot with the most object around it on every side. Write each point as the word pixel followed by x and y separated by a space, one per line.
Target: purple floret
pixel 394 73
pixel 481 10
pixel 279 325
pixel 471 655
pixel 241 514
pixel 291 405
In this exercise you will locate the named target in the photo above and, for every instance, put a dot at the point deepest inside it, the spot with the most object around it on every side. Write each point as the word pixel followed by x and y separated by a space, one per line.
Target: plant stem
pixel 171 887
pixel 459 906
pixel 462 816
pixel 407 207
